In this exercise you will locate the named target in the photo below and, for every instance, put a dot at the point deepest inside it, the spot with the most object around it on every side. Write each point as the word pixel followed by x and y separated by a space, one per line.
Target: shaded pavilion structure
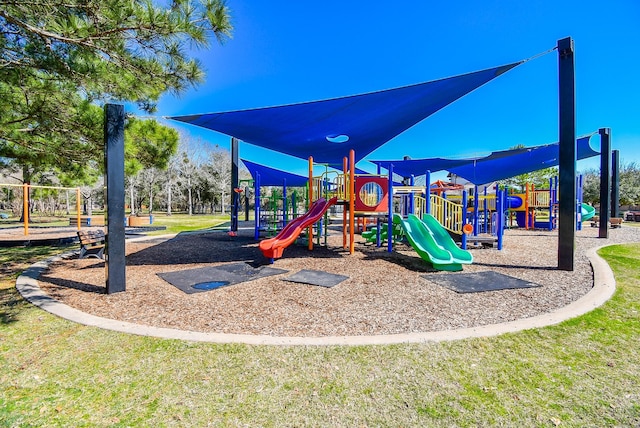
pixel 328 129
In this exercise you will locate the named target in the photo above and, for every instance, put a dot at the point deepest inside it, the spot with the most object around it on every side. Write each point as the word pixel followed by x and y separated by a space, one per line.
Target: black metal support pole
pixel 567 158
pixel 235 197
pixel 605 181
pixel 615 184
pixel 246 203
pixel 115 264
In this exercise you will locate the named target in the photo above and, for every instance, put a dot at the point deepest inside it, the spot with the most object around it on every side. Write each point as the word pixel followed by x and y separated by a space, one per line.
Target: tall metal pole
pixel 605 181
pixel 567 158
pixel 615 183
pixel 115 262
pixel 235 197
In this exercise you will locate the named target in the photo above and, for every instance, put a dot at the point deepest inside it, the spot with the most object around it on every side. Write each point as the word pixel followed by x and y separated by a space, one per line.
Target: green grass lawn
pixel 177 223
pixel 583 372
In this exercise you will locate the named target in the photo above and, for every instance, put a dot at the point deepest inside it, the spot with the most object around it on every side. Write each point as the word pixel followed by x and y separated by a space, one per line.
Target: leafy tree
pixel 170 177
pixel 148 146
pixel 629 184
pixel 591 186
pixel 191 160
pixel 58 59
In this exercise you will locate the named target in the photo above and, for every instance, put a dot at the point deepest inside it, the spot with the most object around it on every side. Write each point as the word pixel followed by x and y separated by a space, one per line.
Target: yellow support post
pixel 78 220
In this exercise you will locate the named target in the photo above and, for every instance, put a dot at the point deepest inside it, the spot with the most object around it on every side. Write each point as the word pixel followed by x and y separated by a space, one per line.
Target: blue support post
pixel 497 205
pixel 551 198
pixel 555 200
pixel 412 182
pixel 501 197
pixel 464 218
pixel 485 227
pixel 256 208
pixel 476 217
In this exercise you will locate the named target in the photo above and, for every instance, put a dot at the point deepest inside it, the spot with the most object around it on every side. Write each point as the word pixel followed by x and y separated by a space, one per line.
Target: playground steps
pixel 482 241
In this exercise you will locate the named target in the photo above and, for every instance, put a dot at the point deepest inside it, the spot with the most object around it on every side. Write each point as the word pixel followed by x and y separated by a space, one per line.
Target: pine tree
pixel 60 60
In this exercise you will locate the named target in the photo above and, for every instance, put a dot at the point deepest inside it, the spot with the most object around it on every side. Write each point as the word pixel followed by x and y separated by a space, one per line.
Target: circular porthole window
pixel 371 194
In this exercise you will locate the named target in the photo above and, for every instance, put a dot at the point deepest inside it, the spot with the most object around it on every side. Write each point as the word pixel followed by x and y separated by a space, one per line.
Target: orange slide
pixel 273 247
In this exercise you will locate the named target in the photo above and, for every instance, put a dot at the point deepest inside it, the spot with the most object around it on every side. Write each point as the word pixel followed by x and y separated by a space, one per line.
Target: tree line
pixel 194 179
pixel 629 177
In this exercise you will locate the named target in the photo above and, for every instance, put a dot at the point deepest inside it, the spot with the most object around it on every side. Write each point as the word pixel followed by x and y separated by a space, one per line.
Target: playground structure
pixel 538 208
pixel 356 119
pixel 468 217
pixel 363 195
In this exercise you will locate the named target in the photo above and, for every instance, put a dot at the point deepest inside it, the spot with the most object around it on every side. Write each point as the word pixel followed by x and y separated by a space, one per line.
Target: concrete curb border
pixel 603 288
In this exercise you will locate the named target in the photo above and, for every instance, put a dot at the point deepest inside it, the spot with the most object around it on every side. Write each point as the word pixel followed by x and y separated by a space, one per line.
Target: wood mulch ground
pixel 384 293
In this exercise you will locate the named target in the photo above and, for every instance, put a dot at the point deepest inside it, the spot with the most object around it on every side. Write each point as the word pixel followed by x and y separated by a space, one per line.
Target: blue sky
pixel 286 52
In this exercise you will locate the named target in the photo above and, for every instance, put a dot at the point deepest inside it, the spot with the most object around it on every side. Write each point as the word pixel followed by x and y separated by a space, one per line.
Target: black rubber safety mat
pixel 478 281
pixel 210 278
pixel 316 277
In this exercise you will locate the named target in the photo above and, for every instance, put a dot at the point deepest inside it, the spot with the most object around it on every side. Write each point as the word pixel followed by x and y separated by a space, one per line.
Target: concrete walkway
pixel 603 289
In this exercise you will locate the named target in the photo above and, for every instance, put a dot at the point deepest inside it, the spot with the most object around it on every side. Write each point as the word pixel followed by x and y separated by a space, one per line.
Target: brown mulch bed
pixel 384 294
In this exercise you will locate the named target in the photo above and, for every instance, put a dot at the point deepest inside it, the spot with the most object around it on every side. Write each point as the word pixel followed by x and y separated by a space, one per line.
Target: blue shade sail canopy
pixel 328 129
pixel 509 163
pixel 274 177
pixel 417 167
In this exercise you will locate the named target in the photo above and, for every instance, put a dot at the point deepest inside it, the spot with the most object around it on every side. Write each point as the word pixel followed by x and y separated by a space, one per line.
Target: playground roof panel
pixel 365 121
pixel 274 177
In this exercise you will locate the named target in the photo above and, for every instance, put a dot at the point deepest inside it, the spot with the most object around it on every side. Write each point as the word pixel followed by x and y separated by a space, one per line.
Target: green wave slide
pixel 587 212
pixel 433 243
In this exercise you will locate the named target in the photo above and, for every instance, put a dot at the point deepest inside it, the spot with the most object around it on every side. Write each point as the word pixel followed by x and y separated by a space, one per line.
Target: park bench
pixel 614 222
pixel 92 243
